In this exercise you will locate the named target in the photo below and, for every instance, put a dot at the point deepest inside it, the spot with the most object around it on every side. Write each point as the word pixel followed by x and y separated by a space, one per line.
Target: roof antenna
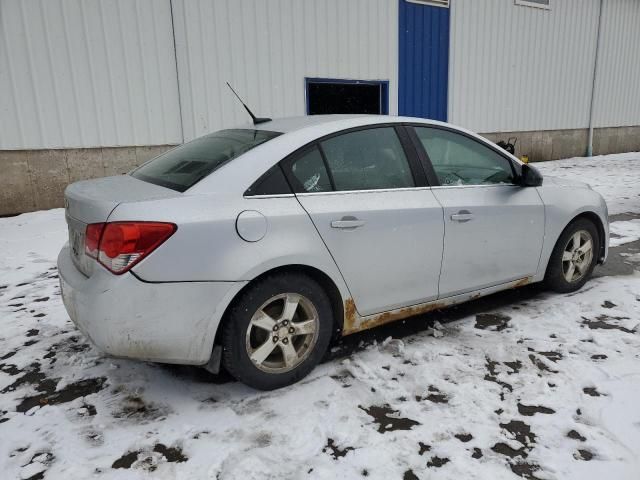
pixel 256 120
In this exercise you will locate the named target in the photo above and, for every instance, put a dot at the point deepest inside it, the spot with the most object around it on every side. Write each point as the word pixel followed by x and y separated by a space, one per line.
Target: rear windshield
pixel 184 166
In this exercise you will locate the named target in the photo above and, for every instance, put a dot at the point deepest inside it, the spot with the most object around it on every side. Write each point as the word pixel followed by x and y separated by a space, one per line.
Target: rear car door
pixel 366 195
pixel 494 228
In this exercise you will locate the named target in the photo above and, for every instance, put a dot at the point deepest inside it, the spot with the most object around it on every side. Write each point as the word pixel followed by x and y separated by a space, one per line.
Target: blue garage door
pixel 424 60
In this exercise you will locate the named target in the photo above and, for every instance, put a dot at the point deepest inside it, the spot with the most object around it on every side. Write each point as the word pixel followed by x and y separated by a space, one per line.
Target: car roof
pixel 292 124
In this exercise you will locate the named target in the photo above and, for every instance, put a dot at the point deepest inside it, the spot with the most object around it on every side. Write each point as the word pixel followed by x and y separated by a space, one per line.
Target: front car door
pixel 366 195
pixel 494 228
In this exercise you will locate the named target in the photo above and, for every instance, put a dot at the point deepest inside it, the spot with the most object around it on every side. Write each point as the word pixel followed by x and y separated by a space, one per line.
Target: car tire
pixel 264 325
pixel 559 275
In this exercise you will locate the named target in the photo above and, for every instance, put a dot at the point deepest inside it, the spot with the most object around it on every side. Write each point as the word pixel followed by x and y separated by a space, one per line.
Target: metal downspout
pixel 593 85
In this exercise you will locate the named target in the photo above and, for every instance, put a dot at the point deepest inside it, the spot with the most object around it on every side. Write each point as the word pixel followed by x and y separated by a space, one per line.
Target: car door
pixel 366 195
pixel 494 228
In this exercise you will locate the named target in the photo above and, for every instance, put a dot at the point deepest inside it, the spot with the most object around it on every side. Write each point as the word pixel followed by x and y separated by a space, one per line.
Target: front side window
pixel 367 160
pixel 184 166
pixel 460 160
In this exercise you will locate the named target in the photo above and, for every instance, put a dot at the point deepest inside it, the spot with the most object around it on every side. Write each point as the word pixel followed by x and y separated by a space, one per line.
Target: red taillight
pixel 92 239
pixel 121 245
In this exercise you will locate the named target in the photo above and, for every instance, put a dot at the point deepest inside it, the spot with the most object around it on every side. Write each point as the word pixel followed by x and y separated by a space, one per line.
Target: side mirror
pixel 530 176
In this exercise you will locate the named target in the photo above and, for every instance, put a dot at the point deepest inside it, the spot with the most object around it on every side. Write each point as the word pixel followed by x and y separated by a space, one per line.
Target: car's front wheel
pixel 574 257
pixel 277 331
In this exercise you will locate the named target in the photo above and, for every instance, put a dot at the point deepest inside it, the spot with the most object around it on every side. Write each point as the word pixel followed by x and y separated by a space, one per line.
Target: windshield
pixel 184 166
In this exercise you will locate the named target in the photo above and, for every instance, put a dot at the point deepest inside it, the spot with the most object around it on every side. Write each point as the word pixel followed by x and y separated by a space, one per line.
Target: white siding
pixel 266 49
pixel 617 100
pixel 516 68
pixel 87 73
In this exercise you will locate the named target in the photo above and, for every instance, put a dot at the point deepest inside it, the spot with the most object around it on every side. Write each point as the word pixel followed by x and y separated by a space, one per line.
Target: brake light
pixel 92 239
pixel 121 245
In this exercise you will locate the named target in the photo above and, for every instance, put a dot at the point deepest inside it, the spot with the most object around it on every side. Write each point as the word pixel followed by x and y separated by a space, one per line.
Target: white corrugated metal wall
pixel 266 49
pixel 87 73
pixel 617 100
pixel 517 68
pixel 90 73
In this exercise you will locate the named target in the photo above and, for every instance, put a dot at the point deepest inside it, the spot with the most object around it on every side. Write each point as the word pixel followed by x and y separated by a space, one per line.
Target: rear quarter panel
pixel 207 246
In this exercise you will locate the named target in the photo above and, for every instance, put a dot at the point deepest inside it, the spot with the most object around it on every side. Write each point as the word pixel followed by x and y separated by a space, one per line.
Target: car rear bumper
pixel 126 317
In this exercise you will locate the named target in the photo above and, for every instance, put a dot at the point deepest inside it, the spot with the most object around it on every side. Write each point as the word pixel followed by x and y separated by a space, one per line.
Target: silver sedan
pixel 252 248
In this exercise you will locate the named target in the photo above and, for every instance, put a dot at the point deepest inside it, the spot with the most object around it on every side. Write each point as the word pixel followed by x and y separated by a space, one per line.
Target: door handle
pixel 462 216
pixel 347 222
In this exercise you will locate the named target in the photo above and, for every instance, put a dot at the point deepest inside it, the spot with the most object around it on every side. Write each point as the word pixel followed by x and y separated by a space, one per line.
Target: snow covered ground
pixel 541 386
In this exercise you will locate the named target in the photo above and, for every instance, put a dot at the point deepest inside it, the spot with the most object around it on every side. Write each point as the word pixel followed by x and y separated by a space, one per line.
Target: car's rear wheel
pixel 574 257
pixel 277 331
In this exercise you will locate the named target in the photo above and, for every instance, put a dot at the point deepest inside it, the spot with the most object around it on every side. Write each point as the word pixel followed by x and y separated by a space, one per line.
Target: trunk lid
pixel 92 201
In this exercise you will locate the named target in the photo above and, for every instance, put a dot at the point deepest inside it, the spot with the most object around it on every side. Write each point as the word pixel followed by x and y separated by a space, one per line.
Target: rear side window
pixel 368 160
pixel 183 167
pixel 309 173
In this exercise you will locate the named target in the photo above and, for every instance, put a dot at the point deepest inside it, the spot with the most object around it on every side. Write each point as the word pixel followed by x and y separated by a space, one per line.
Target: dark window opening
pixel 347 96
pixel 273 182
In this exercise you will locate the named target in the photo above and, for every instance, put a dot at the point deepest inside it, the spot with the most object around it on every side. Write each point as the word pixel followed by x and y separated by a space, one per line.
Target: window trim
pixel 431 3
pixel 428 165
pixel 527 3
pixel 416 168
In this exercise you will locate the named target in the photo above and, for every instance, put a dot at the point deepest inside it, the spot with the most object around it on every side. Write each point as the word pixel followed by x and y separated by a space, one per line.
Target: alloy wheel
pixel 577 256
pixel 282 333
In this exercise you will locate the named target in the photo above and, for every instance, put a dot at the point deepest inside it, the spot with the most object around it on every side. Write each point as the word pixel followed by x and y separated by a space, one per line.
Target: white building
pixel 93 87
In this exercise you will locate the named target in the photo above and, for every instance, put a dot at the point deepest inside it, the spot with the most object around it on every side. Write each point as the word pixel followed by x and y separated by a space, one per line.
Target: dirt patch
pixel 553 356
pixel 44 460
pixel 521 432
pixel 67 394
pixel 33 332
pixel 43 299
pixel 335 451
pixel 388 419
pixel 10 369
pixel 136 408
pixel 602 322
pixel 576 436
pixel 437 462
pixel 171 454
pixel 8 355
pixel 464 437
pixel 409 475
pixel 592 392
pixel 477 453
pixel 530 410
pixel 608 304
pixel 507 451
pixel 540 364
pixel 585 455
pixel 599 356
pixel 525 470
pixel 32 376
pixel 491 365
pixel 344 377
pixel 424 448
pixel 514 366
pixel 434 395
pixel 492 321
pixel 126 460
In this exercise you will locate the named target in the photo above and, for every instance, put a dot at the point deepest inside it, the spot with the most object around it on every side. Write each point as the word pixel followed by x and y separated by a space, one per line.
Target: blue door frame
pixel 423 73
